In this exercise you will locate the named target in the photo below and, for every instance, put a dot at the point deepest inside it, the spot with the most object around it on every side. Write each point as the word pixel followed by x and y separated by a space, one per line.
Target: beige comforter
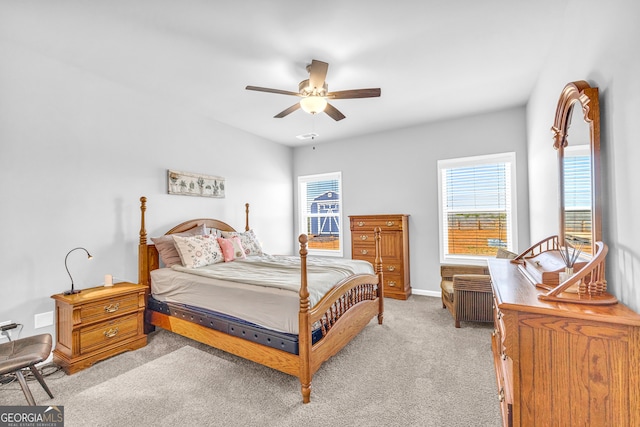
pixel 283 272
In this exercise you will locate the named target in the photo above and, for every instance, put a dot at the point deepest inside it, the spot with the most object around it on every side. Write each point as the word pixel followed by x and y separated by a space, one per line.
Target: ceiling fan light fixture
pixel 313 104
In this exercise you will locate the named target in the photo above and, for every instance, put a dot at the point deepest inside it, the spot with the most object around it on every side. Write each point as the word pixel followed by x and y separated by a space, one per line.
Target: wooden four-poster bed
pixel 323 327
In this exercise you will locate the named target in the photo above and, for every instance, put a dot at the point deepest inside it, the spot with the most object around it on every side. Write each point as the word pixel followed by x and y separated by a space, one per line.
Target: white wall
pixel 599 43
pixel 76 153
pixel 396 173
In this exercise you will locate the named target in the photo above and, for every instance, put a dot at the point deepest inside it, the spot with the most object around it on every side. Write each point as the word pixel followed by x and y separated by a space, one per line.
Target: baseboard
pixel 425 293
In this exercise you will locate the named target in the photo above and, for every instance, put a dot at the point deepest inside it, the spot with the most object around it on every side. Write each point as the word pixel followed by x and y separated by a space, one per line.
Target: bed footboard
pixel 342 313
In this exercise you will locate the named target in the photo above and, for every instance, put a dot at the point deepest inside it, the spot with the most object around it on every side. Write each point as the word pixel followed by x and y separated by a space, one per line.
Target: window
pixel 477 206
pixel 320 212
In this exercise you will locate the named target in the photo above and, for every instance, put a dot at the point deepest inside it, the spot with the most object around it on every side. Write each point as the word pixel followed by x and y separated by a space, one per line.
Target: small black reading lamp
pixel 73 291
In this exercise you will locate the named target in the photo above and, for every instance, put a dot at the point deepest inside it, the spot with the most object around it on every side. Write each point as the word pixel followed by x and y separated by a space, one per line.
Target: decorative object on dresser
pixel 98 323
pixel 73 290
pixel 562 364
pixel 466 290
pixel 395 249
pixel 319 310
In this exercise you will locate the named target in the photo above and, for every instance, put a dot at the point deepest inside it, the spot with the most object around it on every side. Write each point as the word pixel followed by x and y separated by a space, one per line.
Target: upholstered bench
pixel 466 292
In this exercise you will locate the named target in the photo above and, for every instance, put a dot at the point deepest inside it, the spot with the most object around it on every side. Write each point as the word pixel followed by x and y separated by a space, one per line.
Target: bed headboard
pixel 148 259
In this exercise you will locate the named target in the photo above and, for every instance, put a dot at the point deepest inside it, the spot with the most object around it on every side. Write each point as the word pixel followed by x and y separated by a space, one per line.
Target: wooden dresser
pixel 562 364
pixel 98 323
pixel 395 249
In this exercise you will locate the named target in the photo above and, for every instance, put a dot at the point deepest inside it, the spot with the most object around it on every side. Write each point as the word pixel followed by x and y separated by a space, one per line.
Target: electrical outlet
pixel 41 320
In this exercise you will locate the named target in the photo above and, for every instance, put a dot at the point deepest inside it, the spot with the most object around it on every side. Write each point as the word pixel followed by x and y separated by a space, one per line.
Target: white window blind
pixel 477 201
pixel 320 217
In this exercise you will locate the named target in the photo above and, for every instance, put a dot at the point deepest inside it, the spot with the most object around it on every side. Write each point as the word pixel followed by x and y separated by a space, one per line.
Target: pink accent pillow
pixel 249 241
pixel 231 248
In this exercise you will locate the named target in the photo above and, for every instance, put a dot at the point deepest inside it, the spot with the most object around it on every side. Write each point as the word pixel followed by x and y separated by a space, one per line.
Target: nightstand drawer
pixel 106 309
pixel 108 332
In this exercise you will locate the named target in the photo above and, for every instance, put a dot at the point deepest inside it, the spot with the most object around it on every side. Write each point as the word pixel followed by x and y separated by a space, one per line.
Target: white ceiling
pixel 433 59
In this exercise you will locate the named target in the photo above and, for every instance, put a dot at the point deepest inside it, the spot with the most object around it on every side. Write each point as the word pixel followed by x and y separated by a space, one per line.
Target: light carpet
pixel 414 370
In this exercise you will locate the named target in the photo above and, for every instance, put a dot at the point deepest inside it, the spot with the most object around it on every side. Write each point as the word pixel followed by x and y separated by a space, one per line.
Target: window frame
pixel 509 159
pixel 303 215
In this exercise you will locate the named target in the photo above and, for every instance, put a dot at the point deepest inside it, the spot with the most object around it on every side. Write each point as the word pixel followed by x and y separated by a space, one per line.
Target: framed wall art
pixel 195 184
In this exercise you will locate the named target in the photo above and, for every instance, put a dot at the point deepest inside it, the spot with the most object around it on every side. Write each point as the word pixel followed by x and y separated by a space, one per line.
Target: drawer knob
pixel 111 333
pixel 360 223
pixel 112 308
pixel 392 283
pixel 364 237
pixel 364 251
pixel 390 223
pixel 391 268
pixel 501 395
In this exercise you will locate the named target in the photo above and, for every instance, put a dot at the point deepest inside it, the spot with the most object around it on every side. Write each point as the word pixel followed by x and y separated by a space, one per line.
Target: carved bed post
pixel 143 259
pixel 304 333
pixel 246 215
pixel 378 271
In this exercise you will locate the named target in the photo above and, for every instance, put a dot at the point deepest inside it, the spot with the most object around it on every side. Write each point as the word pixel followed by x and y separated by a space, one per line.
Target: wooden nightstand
pixel 98 323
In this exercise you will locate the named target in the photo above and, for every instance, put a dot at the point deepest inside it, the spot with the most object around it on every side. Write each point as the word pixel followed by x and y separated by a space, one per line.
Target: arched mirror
pixel 571 265
pixel 577 138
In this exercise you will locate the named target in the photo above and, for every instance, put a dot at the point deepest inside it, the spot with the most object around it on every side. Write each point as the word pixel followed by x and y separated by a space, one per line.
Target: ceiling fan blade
pixel 355 93
pixel 288 111
pixel 317 73
pixel 334 113
pixel 266 89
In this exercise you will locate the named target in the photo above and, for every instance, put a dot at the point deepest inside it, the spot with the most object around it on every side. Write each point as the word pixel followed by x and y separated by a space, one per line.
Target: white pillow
pixel 198 251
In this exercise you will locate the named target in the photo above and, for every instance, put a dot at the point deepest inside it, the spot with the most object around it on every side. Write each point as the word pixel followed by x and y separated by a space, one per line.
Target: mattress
pixel 270 308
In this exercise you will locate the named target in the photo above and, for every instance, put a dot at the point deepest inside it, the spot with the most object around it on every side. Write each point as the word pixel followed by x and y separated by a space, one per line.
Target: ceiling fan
pixel 315 93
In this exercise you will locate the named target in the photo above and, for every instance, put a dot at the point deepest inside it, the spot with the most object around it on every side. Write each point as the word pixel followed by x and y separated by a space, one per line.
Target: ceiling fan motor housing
pixel 305 89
